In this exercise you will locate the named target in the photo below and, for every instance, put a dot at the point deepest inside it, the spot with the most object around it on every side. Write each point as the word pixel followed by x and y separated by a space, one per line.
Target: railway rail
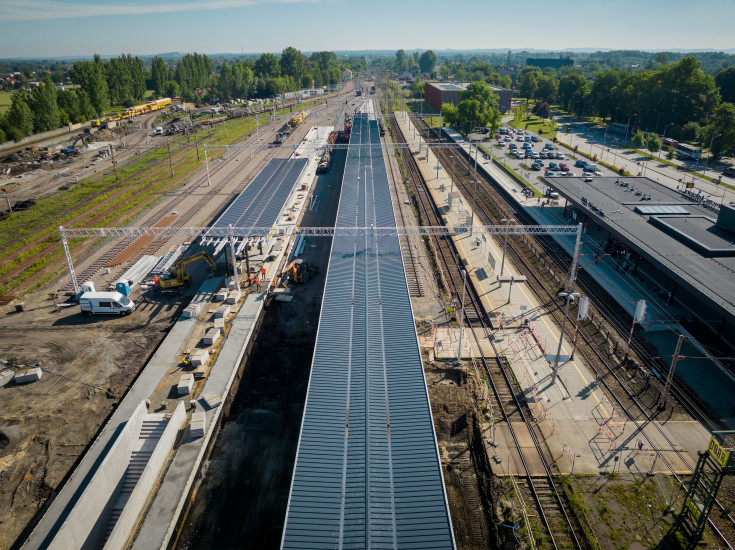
pixel 557 518
pixel 601 364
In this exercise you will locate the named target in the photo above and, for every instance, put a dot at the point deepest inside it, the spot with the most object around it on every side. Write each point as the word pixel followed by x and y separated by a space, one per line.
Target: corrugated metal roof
pixel 262 200
pixel 367 471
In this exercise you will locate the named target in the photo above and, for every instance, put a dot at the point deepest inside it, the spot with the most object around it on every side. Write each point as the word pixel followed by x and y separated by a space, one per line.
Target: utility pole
pixel 670 377
pixel 170 160
pixel 206 163
pixel 196 143
pixel 10 208
pixel 114 162
pixel 461 316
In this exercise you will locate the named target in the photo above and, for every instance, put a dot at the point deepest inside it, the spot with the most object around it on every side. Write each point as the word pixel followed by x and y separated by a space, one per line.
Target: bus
pixel 668 142
pixel 617 128
pixel 688 152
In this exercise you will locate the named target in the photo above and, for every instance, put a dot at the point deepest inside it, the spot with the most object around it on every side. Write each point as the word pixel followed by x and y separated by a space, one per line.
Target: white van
pixel 589 167
pixel 159 131
pixel 111 303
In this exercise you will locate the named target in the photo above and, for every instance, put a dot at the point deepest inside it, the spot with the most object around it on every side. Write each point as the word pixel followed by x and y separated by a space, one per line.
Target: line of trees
pixel 678 98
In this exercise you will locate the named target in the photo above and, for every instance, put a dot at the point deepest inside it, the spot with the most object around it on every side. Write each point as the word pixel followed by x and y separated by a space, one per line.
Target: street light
pixel 706 163
pixel 461 316
pixel 657 119
pixel 627 127
pixel 451 187
pixel 505 241
pixel 664 137
pixel 570 296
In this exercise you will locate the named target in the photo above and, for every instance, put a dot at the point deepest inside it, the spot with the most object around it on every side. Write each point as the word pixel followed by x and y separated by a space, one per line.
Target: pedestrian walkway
pixel 580 425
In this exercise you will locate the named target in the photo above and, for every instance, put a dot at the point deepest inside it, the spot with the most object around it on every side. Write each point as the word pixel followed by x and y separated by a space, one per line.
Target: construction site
pixel 328 324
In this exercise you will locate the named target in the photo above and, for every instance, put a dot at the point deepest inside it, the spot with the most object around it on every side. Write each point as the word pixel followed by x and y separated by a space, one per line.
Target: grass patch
pixel 5 101
pixel 534 124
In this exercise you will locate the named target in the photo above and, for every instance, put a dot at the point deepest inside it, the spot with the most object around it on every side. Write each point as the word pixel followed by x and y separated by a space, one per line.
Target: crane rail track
pixel 586 346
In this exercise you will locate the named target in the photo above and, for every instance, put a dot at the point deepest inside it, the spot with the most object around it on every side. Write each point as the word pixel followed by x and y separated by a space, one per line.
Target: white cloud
pixel 33 10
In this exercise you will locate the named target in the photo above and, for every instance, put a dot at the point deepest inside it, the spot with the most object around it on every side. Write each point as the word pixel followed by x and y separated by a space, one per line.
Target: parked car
pixel 551 193
pixel 535 155
pixel 580 163
pixel 560 156
pixel 512 146
pixel 507 138
pixel 550 174
pixel 527 146
pixel 543 155
pixel 527 138
pixel 553 165
pixel 563 167
pixel 520 132
pixel 598 174
pixel 549 146
pixel 534 138
pixel 519 155
pixel 535 166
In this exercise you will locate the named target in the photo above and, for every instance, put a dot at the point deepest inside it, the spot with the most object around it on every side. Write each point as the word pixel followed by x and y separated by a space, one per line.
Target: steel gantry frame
pixel 290 231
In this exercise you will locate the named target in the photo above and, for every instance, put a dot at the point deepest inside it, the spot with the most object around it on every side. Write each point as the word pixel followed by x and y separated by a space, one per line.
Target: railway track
pixel 508 400
pixel 598 361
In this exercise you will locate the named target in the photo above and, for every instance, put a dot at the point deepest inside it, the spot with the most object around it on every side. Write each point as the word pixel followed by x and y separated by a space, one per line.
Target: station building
pixel 436 93
pixel 678 242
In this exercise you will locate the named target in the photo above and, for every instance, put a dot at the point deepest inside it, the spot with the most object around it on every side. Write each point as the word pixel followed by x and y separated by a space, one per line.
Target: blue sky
pixel 43 28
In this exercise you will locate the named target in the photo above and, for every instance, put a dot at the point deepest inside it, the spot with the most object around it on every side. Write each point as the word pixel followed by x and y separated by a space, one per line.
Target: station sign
pixel 721 455
pixel 693 508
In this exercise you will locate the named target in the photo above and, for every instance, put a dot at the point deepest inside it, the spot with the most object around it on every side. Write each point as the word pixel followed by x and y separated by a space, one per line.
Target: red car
pixel 512 146
pixel 563 167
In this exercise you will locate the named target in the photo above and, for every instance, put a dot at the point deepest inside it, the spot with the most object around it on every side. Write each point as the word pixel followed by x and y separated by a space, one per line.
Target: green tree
pixel 518 113
pixel 571 86
pixel 323 60
pixel 449 113
pixel 44 107
pixel 654 143
pixel 267 66
pixel 546 88
pixel 159 74
pixel 638 139
pixel 427 62
pixel 725 81
pixel 478 106
pixel 670 152
pixel 91 78
pixel 402 62
pixel 172 88
pixel 721 132
pixel 542 109
pixel 293 63
pixel 19 118
pixel 529 85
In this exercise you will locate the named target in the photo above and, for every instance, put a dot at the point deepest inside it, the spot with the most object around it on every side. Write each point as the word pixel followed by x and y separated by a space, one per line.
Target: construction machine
pixel 299 271
pixel 178 274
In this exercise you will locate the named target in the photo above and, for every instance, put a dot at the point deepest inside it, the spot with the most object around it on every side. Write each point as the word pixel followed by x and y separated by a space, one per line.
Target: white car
pixel 598 174
pixel 520 132
pixel 560 156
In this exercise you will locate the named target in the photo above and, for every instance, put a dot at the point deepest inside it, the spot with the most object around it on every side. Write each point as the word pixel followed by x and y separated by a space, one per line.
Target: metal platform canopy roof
pixel 367 471
pixel 260 203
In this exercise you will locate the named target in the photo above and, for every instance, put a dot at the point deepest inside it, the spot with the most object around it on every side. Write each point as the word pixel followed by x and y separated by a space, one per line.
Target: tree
pixel 173 89
pixel 529 85
pixel 417 88
pixel 721 132
pixel 546 89
pixel 690 131
pixel 670 152
pixel 402 62
pixel 91 78
pixel 159 74
pixel 449 113
pixel 293 63
pixel 542 109
pixel 571 86
pixel 267 65
pixel 44 107
pixel 324 60
pixel 725 80
pixel 478 106
pixel 19 118
pixel 427 61
pixel 638 139
pixel 518 113
pixel 654 143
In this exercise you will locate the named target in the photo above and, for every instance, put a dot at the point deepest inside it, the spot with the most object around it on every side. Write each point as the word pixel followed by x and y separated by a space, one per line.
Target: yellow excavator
pixel 178 274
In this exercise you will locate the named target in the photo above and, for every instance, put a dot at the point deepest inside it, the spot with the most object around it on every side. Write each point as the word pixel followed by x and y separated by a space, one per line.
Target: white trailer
pixel 105 303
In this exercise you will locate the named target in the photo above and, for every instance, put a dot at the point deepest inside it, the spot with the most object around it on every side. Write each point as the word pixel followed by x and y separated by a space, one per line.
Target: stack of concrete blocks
pixel 211 336
pixel 219 324
pixel 198 425
pixel 191 311
pixel 222 312
pixel 231 285
pixel 234 297
pixel 212 399
pixel 186 384
pixel 199 358
pixel 221 296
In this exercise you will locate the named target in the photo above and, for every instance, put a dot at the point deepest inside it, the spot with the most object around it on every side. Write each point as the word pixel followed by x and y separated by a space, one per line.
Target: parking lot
pixel 533 156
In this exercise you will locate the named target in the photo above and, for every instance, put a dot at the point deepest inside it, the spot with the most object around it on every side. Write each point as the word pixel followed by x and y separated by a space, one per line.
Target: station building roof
pixel 677 232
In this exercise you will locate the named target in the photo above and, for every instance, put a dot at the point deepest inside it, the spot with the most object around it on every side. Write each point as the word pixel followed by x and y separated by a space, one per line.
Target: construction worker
pixel 251 278
pixel 257 282
pixel 262 272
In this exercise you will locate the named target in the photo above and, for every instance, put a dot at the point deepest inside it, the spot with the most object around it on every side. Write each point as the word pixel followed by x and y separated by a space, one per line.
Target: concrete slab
pixel 198 425
pixel 222 311
pixel 219 323
pixel 199 358
pixel 211 336
pixel 221 296
pixel 233 297
pixel 185 385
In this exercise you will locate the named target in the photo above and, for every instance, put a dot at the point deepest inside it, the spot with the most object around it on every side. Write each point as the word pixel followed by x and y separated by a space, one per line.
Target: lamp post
pixel 570 296
pixel 505 241
pixel 627 126
pixel 657 119
pixel 664 137
pixel 706 163
pixel 451 186
pixel 461 316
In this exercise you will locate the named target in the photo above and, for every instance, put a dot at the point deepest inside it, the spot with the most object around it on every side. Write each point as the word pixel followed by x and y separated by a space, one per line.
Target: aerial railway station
pixel 405 416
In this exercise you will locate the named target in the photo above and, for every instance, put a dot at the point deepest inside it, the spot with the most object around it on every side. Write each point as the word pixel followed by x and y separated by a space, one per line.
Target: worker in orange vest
pixel 262 272
pixel 257 283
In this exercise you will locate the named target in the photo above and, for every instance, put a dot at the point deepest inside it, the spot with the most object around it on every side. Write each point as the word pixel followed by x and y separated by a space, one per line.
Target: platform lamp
pixel 627 126
pixel 663 138
pixel 570 297
pixel 505 242
pixel 706 164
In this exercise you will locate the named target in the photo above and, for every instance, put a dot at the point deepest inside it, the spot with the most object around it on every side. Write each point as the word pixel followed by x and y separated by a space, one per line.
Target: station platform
pixel 582 428
pixel 702 373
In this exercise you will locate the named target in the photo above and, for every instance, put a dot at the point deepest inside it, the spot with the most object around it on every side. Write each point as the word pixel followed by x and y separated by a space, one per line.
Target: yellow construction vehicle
pixel 299 271
pixel 178 274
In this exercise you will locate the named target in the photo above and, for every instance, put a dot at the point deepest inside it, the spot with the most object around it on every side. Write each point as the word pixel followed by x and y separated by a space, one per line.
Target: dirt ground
pixel 89 363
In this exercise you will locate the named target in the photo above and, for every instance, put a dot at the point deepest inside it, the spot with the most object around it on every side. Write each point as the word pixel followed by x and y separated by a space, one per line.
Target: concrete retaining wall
pixel 125 525
pixel 79 525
